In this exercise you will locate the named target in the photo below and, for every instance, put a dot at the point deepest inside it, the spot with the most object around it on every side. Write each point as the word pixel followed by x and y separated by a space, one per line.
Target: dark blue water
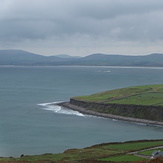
pixel 30 126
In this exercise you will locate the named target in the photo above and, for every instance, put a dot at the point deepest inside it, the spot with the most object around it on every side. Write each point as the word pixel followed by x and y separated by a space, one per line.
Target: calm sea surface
pixel 30 124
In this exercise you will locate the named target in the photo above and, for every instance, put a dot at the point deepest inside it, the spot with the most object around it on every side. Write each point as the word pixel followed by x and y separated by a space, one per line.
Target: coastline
pixel 111 116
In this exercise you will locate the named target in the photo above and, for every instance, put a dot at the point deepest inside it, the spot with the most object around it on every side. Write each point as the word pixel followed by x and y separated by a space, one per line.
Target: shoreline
pixel 110 116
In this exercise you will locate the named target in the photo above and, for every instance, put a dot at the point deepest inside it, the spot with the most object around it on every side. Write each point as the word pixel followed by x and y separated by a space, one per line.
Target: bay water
pixel 32 123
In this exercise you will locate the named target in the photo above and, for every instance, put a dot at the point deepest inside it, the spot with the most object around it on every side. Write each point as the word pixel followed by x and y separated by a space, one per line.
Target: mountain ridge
pixel 21 57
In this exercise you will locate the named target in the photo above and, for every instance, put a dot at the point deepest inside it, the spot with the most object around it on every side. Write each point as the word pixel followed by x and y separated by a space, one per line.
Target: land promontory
pixel 142 104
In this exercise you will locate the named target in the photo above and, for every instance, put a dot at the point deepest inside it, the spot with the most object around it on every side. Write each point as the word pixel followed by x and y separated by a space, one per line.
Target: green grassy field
pixel 138 95
pixel 134 146
pixel 149 152
pixel 123 158
pixel 103 152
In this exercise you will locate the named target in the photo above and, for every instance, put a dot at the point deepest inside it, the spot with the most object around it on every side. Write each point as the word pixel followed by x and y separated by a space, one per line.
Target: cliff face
pixel 154 113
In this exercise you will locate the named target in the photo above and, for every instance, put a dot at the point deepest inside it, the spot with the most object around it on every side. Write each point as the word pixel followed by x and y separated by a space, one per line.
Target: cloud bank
pixel 80 27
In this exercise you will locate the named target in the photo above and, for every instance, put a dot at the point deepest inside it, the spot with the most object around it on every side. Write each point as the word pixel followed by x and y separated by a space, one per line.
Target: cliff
pixel 154 113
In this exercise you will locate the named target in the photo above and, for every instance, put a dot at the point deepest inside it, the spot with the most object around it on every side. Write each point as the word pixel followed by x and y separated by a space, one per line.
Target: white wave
pixel 49 103
pixel 52 106
pixel 114 119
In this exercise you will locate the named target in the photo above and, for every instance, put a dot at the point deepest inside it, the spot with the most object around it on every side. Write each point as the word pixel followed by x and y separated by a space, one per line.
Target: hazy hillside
pixel 20 57
pixel 10 57
pixel 122 60
pixel 66 56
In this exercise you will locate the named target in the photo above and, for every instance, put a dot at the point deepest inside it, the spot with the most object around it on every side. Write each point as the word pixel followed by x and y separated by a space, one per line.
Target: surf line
pixel 56 108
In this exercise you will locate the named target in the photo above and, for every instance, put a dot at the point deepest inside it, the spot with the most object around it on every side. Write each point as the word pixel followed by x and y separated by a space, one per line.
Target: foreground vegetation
pixel 123 158
pixel 103 152
pixel 148 152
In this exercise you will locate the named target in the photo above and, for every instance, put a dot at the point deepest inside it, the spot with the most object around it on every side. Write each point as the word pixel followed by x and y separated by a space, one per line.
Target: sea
pixel 32 123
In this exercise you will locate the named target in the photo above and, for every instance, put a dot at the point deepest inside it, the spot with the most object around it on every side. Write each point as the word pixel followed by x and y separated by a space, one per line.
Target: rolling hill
pixel 122 60
pixel 20 57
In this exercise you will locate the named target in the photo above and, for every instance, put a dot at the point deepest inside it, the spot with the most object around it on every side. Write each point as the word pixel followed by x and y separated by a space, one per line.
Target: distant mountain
pixel 66 56
pixel 122 60
pixel 10 57
pixel 62 59
pixel 20 57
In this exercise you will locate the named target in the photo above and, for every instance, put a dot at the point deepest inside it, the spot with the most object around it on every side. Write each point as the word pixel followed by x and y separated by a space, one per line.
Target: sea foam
pixel 52 106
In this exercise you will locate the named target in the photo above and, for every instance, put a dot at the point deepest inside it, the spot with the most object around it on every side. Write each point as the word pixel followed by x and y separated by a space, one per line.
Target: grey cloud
pixel 121 20
pixel 108 9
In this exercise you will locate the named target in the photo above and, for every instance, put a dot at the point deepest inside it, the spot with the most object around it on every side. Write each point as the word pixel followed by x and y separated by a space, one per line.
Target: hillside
pixel 16 57
pixel 20 57
pixel 143 102
pixel 155 60
pixel 106 152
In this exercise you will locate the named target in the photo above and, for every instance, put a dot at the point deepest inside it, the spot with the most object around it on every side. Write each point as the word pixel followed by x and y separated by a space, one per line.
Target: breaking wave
pixel 52 106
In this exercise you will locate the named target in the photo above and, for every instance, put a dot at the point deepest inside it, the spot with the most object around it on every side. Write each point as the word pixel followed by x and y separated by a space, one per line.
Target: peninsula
pixel 141 104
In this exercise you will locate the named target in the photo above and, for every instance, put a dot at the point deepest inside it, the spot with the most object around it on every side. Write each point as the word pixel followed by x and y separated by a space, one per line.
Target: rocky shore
pixel 111 116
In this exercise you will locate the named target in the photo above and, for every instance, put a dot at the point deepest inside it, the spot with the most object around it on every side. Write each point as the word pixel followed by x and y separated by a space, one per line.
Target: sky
pixel 82 27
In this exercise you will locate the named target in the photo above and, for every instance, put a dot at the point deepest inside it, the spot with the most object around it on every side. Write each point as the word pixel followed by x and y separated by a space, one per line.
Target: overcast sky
pixel 82 27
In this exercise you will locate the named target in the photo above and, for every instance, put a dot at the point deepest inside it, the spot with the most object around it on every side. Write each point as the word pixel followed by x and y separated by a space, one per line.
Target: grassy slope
pixel 123 158
pixel 138 95
pixel 148 152
pixel 96 152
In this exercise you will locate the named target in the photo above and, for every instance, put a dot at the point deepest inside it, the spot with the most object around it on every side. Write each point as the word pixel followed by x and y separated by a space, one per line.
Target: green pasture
pixel 138 95
pixel 149 152
pixel 128 146
pixel 142 99
pixel 123 158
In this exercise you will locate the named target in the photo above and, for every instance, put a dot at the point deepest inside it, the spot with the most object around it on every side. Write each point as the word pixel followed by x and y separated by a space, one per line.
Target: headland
pixel 140 104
